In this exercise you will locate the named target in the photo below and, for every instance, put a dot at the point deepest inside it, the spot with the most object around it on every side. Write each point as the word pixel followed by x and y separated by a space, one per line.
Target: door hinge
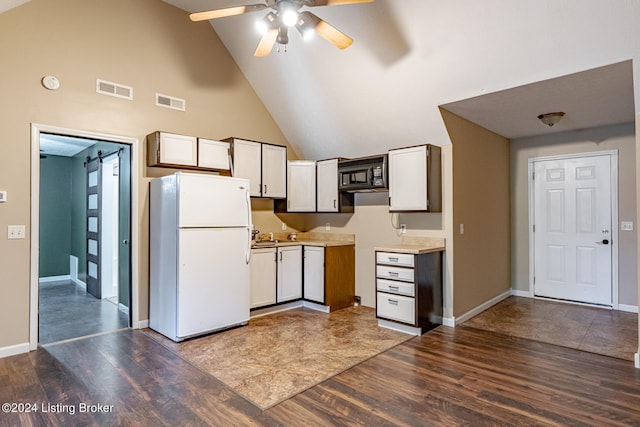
pixel 534 228
pixel 533 176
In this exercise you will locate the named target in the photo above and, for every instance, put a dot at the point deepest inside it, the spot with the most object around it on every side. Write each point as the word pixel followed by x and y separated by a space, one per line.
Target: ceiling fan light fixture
pixel 306 25
pixel 268 22
pixel 551 119
pixel 289 17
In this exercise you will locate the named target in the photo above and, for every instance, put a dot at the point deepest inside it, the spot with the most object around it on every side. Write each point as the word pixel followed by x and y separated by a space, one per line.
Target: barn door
pixel 94 205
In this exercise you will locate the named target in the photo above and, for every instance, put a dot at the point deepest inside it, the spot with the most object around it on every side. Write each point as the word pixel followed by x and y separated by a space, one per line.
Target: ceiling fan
pixel 285 14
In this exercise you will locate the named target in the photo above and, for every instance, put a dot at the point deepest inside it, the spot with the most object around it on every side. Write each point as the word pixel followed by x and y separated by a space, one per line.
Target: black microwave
pixel 364 174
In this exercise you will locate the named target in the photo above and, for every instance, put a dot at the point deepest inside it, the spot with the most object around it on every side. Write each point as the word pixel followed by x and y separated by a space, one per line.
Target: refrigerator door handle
pixel 247 256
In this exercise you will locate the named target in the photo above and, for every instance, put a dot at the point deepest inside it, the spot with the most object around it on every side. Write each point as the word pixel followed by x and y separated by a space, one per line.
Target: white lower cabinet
pixel 262 277
pixel 314 274
pixel 289 283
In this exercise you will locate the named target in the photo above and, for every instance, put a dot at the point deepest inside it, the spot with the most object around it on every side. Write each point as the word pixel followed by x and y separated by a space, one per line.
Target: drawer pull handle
pixel 393 259
pixel 393 273
pixel 392 301
pixel 394 288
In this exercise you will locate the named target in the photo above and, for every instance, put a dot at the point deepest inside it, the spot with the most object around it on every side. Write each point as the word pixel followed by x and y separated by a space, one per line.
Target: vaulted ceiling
pixel 498 63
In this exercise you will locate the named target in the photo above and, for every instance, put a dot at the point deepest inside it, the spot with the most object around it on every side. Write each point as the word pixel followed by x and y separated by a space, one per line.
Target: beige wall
pixel 146 44
pixel 481 202
pixel 619 137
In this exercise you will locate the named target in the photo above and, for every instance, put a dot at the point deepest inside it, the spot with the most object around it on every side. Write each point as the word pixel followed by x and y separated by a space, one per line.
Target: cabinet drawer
pixel 395 287
pixel 391 258
pixel 396 307
pixel 395 273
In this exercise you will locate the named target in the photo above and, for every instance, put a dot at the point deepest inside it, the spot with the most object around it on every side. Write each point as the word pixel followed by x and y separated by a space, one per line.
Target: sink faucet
pixel 255 233
pixel 270 237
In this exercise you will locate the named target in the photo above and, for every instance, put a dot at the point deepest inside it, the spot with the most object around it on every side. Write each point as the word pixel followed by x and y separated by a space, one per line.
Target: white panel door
pixel 213 280
pixel 572 238
pixel 263 277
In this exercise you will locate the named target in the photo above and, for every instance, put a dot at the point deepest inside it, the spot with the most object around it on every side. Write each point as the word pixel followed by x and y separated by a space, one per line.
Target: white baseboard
pixel 636 359
pixel 449 321
pixel 519 293
pixel 482 307
pixel 399 327
pixel 54 278
pixel 629 308
pixel 12 350
pixel 79 283
pixel 276 309
pixel 316 306
pixel 143 324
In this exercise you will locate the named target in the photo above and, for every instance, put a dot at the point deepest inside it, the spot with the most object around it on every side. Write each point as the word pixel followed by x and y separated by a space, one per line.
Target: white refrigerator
pixel 200 245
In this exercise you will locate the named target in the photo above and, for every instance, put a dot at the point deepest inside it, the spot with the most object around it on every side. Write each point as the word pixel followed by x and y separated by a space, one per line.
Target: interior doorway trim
pixel 614 215
pixel 36 130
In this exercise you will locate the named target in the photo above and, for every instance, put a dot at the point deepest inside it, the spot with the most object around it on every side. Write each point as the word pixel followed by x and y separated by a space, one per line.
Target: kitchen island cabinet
pixel 409 288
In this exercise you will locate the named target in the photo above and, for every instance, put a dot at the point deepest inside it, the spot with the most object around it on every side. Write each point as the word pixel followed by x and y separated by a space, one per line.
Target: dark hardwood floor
pixel 67 311
pixel 460 376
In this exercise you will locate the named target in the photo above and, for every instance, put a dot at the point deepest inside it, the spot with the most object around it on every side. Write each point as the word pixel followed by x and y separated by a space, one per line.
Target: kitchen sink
pixel 264 244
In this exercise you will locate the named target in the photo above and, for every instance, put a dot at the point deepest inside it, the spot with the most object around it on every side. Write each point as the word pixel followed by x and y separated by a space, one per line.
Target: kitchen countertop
pixel 308 239
pixel 415 245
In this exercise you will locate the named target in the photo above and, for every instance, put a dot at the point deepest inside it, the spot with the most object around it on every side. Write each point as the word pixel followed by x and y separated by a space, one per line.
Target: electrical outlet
pixel 15 231
pixel 403 228
pixel 327 226
pixel 284 226
pixel 357 301
pixel 461 228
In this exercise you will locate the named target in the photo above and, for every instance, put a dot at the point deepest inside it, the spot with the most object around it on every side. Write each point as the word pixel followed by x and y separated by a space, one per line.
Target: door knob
pixel 604 242
pixel 125 241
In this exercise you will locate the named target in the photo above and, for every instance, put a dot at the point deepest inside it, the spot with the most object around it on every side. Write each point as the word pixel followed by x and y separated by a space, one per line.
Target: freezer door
pixel 213 280
pixel 213 201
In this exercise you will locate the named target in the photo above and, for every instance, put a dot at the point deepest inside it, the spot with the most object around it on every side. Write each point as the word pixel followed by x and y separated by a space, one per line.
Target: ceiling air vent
pixel 114 89
pixel 170 102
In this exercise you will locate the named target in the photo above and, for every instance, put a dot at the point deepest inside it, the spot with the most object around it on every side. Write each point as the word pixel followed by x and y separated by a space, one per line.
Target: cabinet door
pixel 313 281
pixel 274 171
pixel 327 187
pixel 178 149
pixel 247 159
pixel 263 277
pixel 301 184
pixel 213 154
pixel 289 273
pixel 408 179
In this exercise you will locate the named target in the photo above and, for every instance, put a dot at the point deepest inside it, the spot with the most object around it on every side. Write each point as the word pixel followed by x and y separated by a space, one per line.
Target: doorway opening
pixel 73 226
pixel 573 228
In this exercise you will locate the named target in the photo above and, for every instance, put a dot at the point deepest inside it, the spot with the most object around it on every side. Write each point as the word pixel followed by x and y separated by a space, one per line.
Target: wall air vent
pixel 170 102
pixel 114 89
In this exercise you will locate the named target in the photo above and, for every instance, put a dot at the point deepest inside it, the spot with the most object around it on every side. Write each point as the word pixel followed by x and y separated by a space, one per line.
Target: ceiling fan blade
pixel 229 11
pixel 266 43
pixel 332 35
pixel 337 2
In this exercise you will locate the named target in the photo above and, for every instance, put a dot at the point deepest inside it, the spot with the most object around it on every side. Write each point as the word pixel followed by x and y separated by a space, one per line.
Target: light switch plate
pixel 626 225
pixel 3 196
pixel 15 231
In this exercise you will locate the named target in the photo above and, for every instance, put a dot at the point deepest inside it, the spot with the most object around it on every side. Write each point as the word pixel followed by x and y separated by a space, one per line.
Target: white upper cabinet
pixel 168 149
pixel 247 163
pixel 327 185
pixel 274 171
pixel 301 181
pixel 213 154
pixel 415 179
